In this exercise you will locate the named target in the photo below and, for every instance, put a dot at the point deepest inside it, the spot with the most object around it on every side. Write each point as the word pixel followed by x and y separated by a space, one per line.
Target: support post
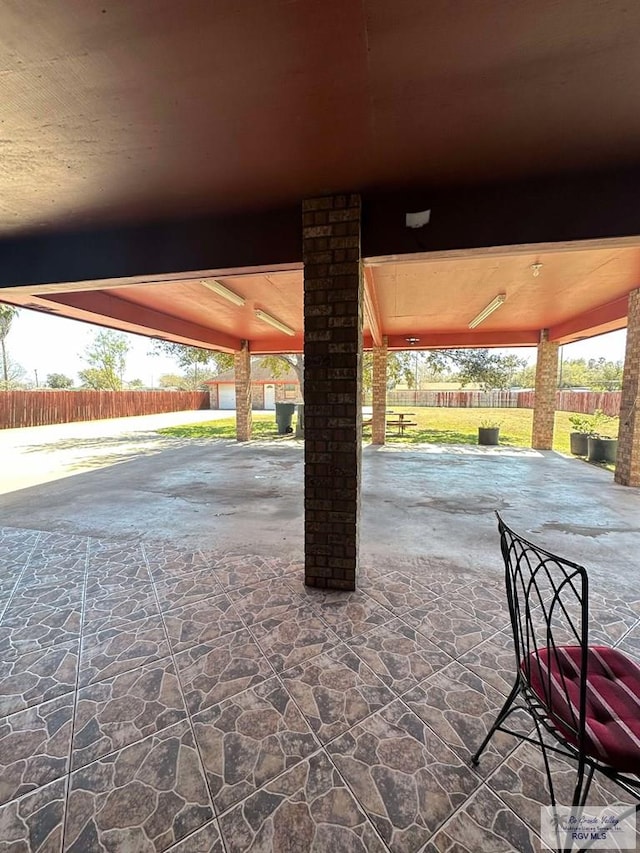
pixel 628 458
pixel 379 393
pixel 242 364
pixel 332 389
pixel 544 409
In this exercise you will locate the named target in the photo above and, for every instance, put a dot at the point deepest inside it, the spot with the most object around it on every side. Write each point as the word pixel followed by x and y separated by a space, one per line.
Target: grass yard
pixel 264 426
pixel 460 426
pixel 434 426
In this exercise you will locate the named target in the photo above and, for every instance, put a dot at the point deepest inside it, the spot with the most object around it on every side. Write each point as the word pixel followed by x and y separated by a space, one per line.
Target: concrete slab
pixel 35 455
pixel 121 479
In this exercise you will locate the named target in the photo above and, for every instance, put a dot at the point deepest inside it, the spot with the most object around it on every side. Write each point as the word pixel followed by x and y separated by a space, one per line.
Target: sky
pixel 47 344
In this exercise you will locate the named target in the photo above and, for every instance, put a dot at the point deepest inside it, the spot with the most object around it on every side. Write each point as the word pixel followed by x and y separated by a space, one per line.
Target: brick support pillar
pixel 242 365
pixel 379 393
pixel 628 459
pixel 332 389
pixel 544 409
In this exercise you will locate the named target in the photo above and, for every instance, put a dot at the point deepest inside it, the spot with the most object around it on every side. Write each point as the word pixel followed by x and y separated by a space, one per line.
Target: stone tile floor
pixel 153 699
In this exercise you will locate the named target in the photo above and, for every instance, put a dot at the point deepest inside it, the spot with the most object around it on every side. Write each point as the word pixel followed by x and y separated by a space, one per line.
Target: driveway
pixel 35 455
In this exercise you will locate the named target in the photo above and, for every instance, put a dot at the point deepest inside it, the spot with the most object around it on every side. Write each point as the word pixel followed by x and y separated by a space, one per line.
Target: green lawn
pixel 264 426
pixel 460 426
pixel 434 426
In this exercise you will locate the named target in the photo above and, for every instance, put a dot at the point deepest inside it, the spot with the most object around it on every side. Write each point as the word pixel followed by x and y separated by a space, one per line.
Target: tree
pixel 107 358
pixel 170 380
pixel 525 377
pixel 15 373
pixel 194 361
pixel 596 374
pixel 487 368
pixel 7 315
pixel 603 375
pixel 58 380
pixel 92 378
pixel 400 368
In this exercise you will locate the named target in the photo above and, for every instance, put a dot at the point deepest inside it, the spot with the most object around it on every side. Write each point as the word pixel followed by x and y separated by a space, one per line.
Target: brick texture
pixel 544 408
pixel 379 393
pixel 242 365
pixel 332 383
pixel 628 459
pixel 257 395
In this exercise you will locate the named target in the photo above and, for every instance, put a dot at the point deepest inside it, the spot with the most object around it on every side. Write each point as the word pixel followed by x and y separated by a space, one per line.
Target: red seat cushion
pixel 612 703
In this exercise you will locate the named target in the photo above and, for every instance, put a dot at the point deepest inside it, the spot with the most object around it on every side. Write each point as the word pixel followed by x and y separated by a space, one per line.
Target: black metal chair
pixel 586 697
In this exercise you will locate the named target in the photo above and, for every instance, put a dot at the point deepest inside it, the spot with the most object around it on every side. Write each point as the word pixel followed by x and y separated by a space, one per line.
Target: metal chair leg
pixel 581 791
pixel 475 758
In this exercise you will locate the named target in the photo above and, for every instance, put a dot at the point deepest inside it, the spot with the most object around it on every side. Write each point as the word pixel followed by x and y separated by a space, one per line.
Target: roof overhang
pixel 423 300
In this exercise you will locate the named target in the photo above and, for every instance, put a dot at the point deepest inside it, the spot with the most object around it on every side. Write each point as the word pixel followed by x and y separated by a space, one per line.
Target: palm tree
pixel 7 313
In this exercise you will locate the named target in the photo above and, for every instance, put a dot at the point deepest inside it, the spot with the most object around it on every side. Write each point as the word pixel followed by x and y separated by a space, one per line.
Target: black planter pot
pixel 602 449
pixel 488 435
pixel 579 442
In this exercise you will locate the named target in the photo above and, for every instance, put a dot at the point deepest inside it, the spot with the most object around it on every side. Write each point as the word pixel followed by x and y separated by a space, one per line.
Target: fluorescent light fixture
pixel 489 309
pixel 223 291
pixel 267 318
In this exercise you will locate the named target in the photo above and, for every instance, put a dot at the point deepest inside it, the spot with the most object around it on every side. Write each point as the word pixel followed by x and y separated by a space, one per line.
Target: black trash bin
pixel 284 417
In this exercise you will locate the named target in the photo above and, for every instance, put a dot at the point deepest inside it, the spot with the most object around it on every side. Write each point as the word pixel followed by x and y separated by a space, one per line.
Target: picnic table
pixel 367 418
pixel 401 420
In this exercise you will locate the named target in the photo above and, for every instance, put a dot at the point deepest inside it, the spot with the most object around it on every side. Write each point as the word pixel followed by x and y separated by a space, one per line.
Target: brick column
pixel 379 393
pixel 544 408
pixel 628 459
pixel 332 389
pixel 242 365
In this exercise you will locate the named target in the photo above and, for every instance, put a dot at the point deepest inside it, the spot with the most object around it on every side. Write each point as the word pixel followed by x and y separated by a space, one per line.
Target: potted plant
pixel 489 432
pixel 578 438
pixel 602 446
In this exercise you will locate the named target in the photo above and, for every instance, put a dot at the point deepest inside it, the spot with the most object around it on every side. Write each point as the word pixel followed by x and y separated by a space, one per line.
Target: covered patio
pixel 169 682
pixel 345 189
pixel 197 662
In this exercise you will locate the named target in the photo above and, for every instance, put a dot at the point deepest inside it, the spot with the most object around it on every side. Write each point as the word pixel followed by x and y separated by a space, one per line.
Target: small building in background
pixel 266 389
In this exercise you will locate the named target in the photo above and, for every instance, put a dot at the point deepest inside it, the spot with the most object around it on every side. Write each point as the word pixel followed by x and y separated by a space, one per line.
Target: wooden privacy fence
pixel 37 408
pixel 454 399
pixel 585 402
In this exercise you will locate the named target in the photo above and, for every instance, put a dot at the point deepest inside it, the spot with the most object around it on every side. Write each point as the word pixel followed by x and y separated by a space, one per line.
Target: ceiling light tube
pixel 489 309
pixel 223 291
pixel 267 318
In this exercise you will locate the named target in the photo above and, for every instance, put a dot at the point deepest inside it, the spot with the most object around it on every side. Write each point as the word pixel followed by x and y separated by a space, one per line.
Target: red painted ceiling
pixel 572 291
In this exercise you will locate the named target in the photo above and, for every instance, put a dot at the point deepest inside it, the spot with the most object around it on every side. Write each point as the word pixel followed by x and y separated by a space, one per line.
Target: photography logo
pixel 609 828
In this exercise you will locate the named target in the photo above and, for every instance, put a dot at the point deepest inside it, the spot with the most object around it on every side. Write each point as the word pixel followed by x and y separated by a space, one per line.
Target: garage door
pixel 227 396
